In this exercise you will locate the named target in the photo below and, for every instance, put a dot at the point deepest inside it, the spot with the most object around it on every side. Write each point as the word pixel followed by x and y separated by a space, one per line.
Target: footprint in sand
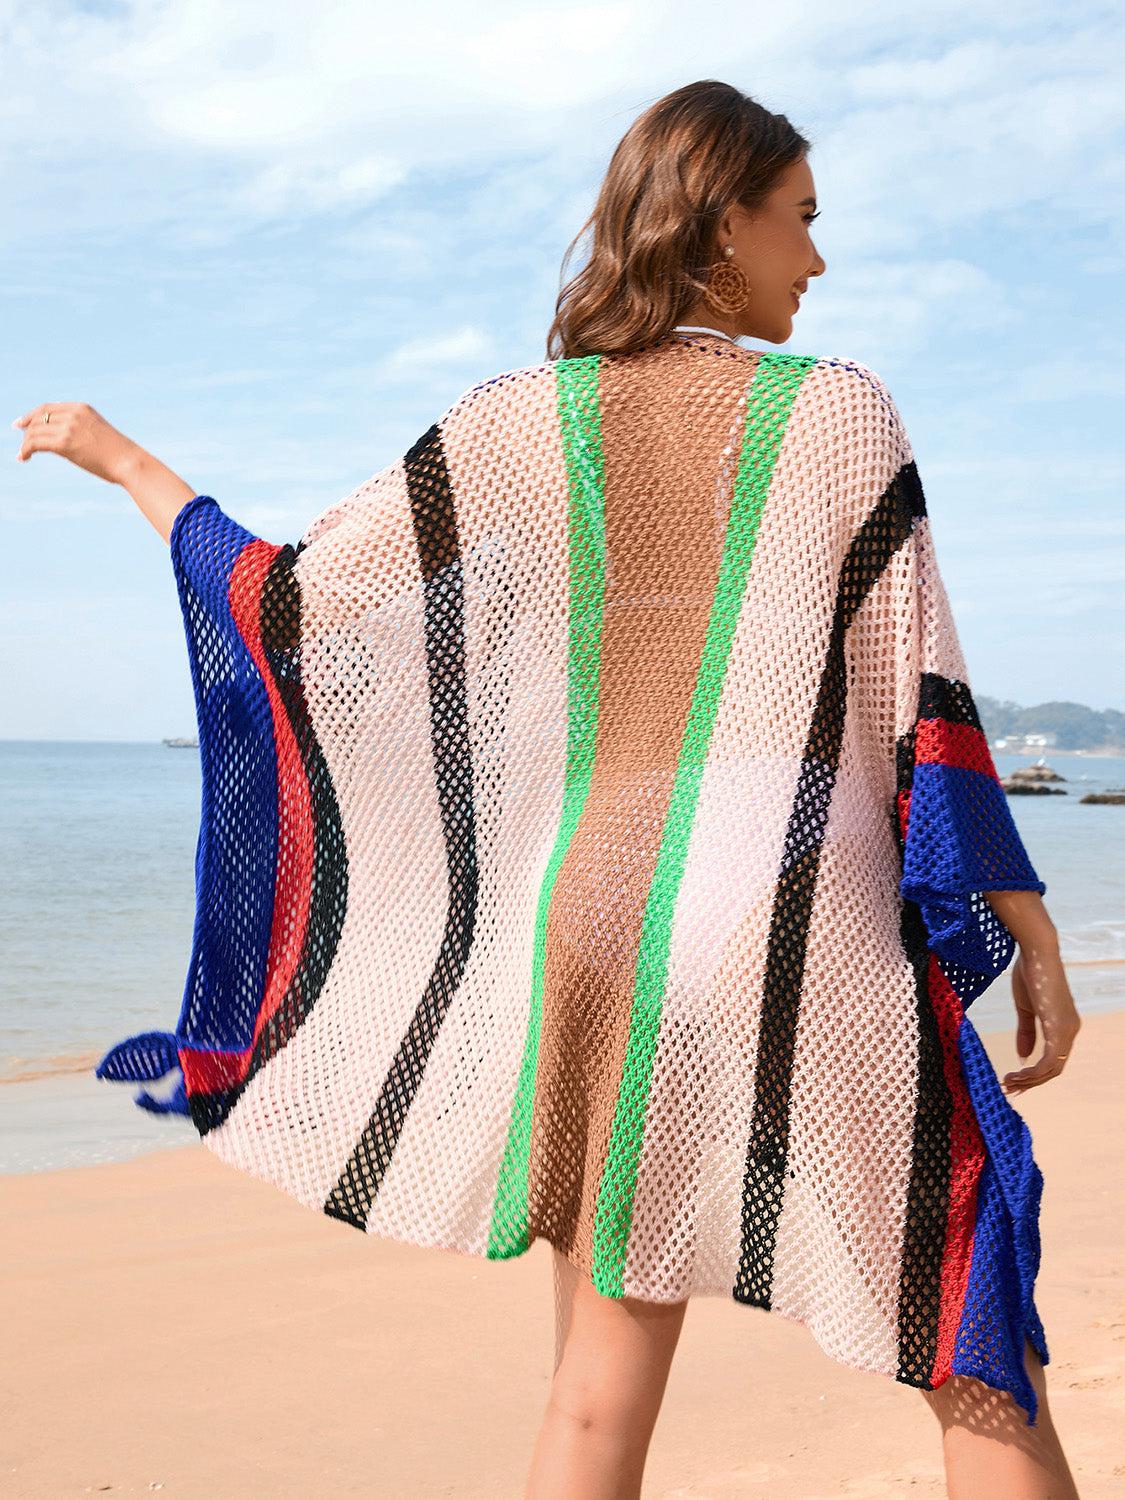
pixel 1113 1323
pixel 1088 1377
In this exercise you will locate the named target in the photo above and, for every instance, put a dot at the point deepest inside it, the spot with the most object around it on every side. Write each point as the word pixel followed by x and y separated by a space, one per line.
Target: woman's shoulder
pixel 851 397
pixel 851 376
pixel 504 390
pixel 844 420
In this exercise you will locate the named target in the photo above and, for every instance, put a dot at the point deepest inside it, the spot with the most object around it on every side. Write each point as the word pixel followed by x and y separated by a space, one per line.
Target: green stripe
pixel 768 404
pixel 580 425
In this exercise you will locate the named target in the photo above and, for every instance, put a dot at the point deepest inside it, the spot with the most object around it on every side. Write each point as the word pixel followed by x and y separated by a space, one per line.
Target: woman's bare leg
pixel 990 1450
pixel 612 1357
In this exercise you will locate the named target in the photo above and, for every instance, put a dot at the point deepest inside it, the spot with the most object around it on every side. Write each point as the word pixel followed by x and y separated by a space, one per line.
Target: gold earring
pixel 727 288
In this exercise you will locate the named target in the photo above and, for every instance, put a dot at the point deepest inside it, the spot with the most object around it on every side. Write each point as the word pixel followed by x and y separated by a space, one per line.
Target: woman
pixel 600 844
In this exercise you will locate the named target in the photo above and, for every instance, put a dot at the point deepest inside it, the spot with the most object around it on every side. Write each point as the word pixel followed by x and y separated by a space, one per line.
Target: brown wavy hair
pixel 681 164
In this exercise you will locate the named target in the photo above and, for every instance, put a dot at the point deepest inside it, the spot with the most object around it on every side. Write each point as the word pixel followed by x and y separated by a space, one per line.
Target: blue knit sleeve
pixel 958 835
pixel 237 846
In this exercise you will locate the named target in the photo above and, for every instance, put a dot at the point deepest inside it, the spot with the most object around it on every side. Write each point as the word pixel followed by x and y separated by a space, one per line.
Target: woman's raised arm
pixel 75 431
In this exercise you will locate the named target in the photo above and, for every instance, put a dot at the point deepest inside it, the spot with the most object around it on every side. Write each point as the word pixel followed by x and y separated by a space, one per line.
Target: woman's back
pixel 563 786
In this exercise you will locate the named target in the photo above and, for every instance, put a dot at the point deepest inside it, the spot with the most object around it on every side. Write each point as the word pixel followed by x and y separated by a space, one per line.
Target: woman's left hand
pixel 77 432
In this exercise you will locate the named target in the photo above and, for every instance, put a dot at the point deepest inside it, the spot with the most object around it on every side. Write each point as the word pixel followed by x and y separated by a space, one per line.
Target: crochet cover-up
pixel 595 816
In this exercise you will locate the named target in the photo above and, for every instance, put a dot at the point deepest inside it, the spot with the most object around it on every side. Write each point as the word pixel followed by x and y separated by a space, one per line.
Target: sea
pixel 98 864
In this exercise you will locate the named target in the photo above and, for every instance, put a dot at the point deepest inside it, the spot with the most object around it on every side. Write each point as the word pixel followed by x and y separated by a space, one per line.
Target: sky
pixel 273 244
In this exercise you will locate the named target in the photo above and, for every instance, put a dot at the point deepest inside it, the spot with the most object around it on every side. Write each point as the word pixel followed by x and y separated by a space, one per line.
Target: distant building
pixel 1016 742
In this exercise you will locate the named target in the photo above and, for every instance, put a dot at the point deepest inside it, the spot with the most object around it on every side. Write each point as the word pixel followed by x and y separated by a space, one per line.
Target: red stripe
pixel 293 889
pixel 966 1145
pixel 937 741
pixel 213 1072
pixel 966 1162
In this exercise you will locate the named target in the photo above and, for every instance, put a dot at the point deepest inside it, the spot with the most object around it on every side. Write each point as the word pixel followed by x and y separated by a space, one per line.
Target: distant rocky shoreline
pixel 1034 781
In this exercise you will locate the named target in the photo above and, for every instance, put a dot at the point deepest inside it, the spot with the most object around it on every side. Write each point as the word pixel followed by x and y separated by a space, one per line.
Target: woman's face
pixel 774 249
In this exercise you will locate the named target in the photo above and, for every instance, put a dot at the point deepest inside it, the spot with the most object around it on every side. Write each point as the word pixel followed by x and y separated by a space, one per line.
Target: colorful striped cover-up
pixel 595 820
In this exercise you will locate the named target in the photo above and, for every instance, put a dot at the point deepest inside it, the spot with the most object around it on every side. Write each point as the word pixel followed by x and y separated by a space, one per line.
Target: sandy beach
pixel 173 1325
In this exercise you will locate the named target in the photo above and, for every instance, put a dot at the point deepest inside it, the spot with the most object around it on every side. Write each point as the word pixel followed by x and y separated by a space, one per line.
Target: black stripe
pixel 927 1200
pixel 279 619
pixel 947 698
pixel 435 530
pixel 871 549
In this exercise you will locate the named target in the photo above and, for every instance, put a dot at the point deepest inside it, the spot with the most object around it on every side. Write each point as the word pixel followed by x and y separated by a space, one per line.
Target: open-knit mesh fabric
pixel 595 820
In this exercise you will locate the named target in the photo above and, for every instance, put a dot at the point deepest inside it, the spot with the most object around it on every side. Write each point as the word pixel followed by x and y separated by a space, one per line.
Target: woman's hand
pixel 77 432
pixel 1040 991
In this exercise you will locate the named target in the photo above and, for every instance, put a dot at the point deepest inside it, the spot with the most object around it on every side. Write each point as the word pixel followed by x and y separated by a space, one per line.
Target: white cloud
pixel 466 345
pixel 304 188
